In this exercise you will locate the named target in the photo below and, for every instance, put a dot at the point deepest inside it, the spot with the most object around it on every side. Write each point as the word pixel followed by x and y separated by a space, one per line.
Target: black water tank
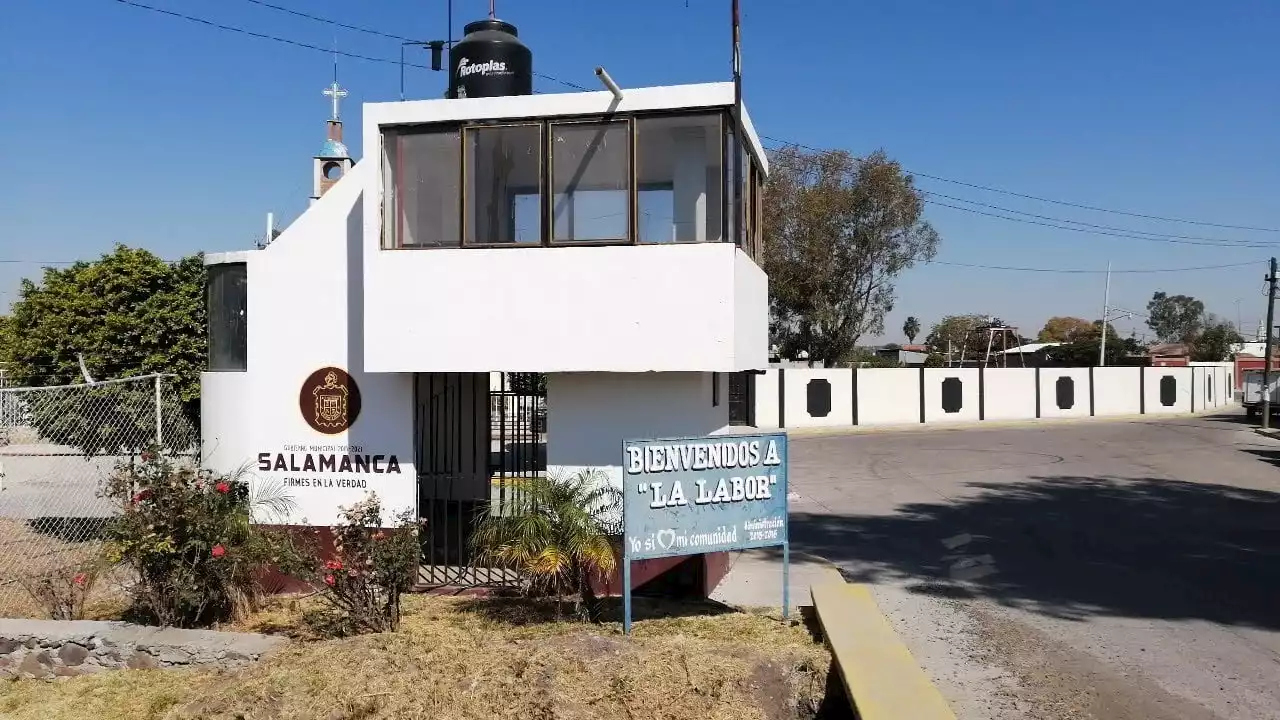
pixel 489 61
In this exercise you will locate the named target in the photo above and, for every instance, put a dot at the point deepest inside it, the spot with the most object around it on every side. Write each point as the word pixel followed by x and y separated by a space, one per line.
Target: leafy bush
pixel 187 536
pixel 558 532
pixel 63 591
pixel 370 567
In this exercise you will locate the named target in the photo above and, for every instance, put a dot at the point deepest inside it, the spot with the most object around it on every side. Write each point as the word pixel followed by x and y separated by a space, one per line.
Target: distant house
pixel 1029 355
pixel 904 354
pixel 1169 355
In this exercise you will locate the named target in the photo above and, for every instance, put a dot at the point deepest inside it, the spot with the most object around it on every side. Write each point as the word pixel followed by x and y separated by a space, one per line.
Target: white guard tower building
pixel 598 238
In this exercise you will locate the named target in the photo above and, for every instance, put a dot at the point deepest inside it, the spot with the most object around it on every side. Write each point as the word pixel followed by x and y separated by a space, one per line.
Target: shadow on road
pixel 1076 546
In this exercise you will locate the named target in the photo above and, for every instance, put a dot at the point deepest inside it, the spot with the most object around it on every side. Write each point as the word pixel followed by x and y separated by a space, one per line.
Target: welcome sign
pixel 709 494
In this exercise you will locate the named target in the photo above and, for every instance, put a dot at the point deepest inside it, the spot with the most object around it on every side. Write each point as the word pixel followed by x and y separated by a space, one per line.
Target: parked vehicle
pixel 1251 397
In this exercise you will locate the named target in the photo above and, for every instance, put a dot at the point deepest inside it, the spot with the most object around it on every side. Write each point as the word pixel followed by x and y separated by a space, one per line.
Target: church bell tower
pixel 333 161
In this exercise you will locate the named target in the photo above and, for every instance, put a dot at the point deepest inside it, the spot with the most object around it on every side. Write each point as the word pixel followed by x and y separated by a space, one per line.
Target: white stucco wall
pixel 933 410
pixel 1010 393
pixel 767 399
pixel 589 415
pixel 1116 391
pixel 1213 389
pixel 1182 398
pixel 840 382
pixel 751 298
pixel 1048 392
pixel 225 442
pixel 888 396
pixel 563 309
pixel 299 307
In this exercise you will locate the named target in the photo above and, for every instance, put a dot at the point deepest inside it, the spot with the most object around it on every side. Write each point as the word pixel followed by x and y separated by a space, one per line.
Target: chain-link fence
pixel 57 446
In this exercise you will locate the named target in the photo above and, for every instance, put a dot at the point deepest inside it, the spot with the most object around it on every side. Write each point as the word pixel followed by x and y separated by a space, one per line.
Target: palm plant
pixel 557 532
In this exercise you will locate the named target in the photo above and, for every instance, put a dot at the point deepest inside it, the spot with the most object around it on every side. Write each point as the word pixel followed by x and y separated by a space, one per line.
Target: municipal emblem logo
pixel 329 400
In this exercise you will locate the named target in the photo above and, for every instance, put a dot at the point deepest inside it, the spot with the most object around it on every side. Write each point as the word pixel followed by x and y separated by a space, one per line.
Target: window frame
pixel 725 128
pixel 550 202
pixel 541 174
pixel 392 197
pixel 705 113
pixel 242 338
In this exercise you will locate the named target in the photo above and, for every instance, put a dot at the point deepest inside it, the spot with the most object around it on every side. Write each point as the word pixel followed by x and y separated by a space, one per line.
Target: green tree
pixel 1175 318
pixel 1214 344
pixel 1065 329
pixel 966 336
pixel 128 313
pixel 838 232
pixel 558 533
pixel 911 328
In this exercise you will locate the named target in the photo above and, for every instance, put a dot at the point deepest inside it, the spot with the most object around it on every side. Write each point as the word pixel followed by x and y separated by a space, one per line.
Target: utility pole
pixel 1106 308
pixel 1266 367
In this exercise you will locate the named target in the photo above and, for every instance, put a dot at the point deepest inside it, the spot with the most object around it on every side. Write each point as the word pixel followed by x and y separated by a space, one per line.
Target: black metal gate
pixel 742 398
pixel 476 435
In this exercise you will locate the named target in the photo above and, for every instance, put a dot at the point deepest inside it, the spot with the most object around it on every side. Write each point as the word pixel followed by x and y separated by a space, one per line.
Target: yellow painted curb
pixel 882 679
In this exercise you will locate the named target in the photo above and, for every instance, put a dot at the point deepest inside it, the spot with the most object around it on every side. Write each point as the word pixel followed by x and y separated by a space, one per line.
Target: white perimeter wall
pixel 892 396
pixel 1115 391
pixel 1075 399
pixel 589 415
pixel 1009 393
pixel 886 396
pixel 767 399
pixel 302 294
pixel 967 379
pixel 1157 400
pixel 835 397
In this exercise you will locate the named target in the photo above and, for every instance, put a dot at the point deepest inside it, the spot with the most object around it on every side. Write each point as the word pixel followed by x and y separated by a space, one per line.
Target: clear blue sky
pixel 123 125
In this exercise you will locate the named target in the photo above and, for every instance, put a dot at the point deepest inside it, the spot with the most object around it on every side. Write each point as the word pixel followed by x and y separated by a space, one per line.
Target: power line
pixel 1087 231
pixel 1038 198
pixel 263 36
pixel 1091 271
pixel 1224 241
pixel 327 21
pixel 308 46
pixel 1095 208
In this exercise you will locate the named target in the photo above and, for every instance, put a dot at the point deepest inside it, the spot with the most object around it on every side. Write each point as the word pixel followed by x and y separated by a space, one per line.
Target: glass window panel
pixel 591 180
pixel 226 297
pixel 733 213
pixel 421 192
pixel 679 178
pixel 504 185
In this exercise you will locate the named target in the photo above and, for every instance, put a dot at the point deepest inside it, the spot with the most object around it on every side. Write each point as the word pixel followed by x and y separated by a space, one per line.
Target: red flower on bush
pixel 333 565
pixel 223 487
pixel 143 495
pixel 148 456
pixel 329 580
pixel 80 579
pixel 219 551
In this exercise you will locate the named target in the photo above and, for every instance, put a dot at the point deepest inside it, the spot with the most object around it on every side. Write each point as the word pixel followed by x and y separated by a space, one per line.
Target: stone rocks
pixel 48 649
pixel 73 654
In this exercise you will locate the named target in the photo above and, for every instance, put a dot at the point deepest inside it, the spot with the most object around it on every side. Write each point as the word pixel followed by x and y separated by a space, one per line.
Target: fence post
pixel 159 416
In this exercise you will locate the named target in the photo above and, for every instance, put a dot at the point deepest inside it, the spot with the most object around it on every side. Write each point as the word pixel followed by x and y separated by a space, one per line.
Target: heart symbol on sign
pixel 666 538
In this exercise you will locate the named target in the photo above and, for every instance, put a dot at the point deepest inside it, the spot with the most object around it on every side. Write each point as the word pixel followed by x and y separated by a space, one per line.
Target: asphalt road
pixel 1093 569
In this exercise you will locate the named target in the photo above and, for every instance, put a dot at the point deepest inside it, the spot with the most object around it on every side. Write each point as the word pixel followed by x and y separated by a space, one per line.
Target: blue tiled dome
pixel 334 149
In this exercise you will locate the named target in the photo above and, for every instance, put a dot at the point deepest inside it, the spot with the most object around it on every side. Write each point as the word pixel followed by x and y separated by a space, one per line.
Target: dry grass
pixel 466 658
pixel 27 553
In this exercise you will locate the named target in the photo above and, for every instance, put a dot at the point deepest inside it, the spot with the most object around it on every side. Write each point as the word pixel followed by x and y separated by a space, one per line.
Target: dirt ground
pixel 478 658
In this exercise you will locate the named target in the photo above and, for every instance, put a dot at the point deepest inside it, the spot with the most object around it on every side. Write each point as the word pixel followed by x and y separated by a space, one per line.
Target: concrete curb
pixel 881 677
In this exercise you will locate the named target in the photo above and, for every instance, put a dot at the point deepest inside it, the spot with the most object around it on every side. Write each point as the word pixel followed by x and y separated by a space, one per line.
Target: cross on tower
pixel 336 92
